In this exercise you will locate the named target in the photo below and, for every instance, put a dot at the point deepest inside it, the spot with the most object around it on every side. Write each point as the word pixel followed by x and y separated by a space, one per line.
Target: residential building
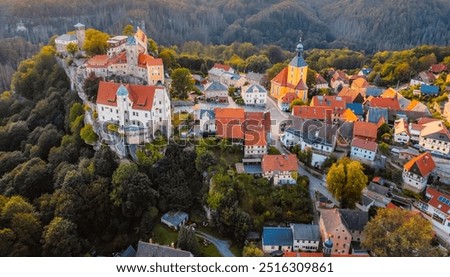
pixel 305 237
pixel 417 170
pixel 138 111
pixel 438 68
pixel 175 220
pixel 321 83
pixel 363 150
pixel 149 249
pixel 207 120
pixel 360 83
pixel 230 123
pixel 282 169
pixel 343 227
pixel 318 136
pixel 276 239
pixel 216 91
pixel 216 72
pixel 349 115
pixel 315 113
pixel 437 206
pixel 374 115
pixel 423 78
pixel 389 103
pixel 254 95
pixel 255 143
pixel 339 80
pixel 435 137
pixel 357 109
pixel 374 92
pixel 292 78
pixel 365 130
pixel 255 78
pixel 379 193
pixel 285 103
pixel 401 131
pixel 446 112
pixel 429 90
pixel 354 95
pixel 182 106
pixel 128 58
pixel 78 38
pixel 417 106
pixel 408 153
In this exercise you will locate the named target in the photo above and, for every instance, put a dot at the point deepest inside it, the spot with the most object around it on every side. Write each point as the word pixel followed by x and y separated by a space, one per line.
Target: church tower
pixel 327 247
pixel 81 35
pixel 132 54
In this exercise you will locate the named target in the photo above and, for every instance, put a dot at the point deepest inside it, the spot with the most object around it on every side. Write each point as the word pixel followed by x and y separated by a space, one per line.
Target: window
pixel 110 110
pixel 103 108
pixel 146 114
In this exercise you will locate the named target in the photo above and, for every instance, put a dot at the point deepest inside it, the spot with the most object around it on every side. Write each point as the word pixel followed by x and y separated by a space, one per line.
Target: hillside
pixel 358 24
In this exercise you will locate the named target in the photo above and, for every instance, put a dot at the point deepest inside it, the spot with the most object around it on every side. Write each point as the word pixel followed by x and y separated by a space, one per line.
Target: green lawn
pixel 208 251
pixel 164 235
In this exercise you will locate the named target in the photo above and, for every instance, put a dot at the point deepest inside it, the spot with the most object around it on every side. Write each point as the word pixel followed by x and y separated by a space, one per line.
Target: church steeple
pixel 299 48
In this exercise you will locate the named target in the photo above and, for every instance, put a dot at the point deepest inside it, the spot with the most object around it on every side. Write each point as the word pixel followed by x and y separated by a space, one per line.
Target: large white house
pixel 255 143
pixel 216 91
pixel 417 170
pixel 363 150
pixel 401 131
pixel 305 237
pixel 435 137
pixel 437 207
pixel 283 169
pixel 207 121
pixel 254 95
pixel 138 111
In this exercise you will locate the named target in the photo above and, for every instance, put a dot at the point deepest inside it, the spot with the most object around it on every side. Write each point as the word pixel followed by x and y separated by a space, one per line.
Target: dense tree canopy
pixel 95 42
pixel 399 233
pixel 346 181
pixel 182 83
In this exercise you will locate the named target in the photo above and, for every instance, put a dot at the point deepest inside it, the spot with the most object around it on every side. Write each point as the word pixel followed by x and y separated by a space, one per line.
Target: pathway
pixel 223 246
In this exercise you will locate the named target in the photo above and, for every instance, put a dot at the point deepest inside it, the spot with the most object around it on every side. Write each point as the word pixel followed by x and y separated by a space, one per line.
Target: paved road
pixel 222 245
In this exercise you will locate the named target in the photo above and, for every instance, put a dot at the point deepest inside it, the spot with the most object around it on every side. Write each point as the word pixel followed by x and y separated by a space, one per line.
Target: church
pixel 292 78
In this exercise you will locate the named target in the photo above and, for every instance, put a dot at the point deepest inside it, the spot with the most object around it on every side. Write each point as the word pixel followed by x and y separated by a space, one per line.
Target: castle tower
pixel 122 95
pixel 81 35
pixel 327 247
pixel 132 54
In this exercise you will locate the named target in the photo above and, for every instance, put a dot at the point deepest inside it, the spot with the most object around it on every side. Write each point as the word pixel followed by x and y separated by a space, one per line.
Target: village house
pixel 78 38
pixel 321 83
pixel 357 109
pixel 401 131
pixel 429 90
pixel 437 206
pixel 230 123
pixel 207 121
pixel 423 78
pixel 354 95
pixel 446 112
pixel 254 95
pixel 216 91
pixel 128 58
pixel 438 68
pixel 435 137
pixel 285 103
pixel 138 111
pixel 276 239
pixel 378 192
pixel 216 72
pixel 281 169
pixel 363 150
pixel 305 237
pixel 175 220
pixel 292 78
pixel 365 131
pixel 343 227
pixel 339 80
pixel 417 170
pixel 150 249
pixel 255 143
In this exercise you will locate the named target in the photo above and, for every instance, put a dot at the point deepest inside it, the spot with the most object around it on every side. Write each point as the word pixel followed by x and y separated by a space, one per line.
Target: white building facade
pixel 363 150
pixel 254 95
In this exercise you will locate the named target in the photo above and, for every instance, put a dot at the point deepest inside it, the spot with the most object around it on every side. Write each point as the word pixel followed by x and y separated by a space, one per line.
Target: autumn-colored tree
pixel 128 30
pixel 252 251
pixel 72 48
pixel 399 233
pixel 346 180
pixel 95 42
pixel 182 83
pixel 88 134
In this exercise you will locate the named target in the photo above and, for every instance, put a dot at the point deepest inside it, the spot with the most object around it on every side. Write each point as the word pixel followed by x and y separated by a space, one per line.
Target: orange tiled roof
pixel 360 82
pixel 316 254
pixel 279 163
pixel 364 130
pixel 390 103
pixel 281 77
pixel 389 93
pixel 349 93
pixel 308 112
pixel 320 80
pixel 222 66
pixel 424 163
pixel 255 136
pixel 98 61
pixel 301 85
pixel 289 97
pixel 349 115
pixel 141 96
pixel 230 122
pixel 364 144
pixel 412 105
pixel 438 68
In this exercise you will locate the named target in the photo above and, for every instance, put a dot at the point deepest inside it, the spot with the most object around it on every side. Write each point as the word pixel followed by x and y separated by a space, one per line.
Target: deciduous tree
pixel 182 83
pixel 346 180
pixel 187 240
pixel 61 239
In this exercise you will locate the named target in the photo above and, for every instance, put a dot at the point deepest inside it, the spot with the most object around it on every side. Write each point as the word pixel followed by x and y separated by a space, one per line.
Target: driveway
pixel 223 246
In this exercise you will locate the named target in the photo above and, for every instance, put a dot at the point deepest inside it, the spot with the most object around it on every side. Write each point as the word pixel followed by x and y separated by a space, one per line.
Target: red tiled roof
pixel 337 103
pixel 141 96
pixel 279 163
pixel 364 144
pixel 362 129
pixel 349 93
pixel 315 254
pixel 154 62
pixel 255 136
pixel 230 122
pixel 301 85
pixel 438 68
pixel 436 203
pixel 222 66
pixel 390 103
pixel 425 120
pixel 289 97
pixel 391 206
pixel 424 163
pixel 320 80
pixel 98 61
pixel 281 77
pixel 308 112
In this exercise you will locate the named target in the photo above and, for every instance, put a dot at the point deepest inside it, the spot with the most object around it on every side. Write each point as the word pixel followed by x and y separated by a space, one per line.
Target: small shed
pixel 175 219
